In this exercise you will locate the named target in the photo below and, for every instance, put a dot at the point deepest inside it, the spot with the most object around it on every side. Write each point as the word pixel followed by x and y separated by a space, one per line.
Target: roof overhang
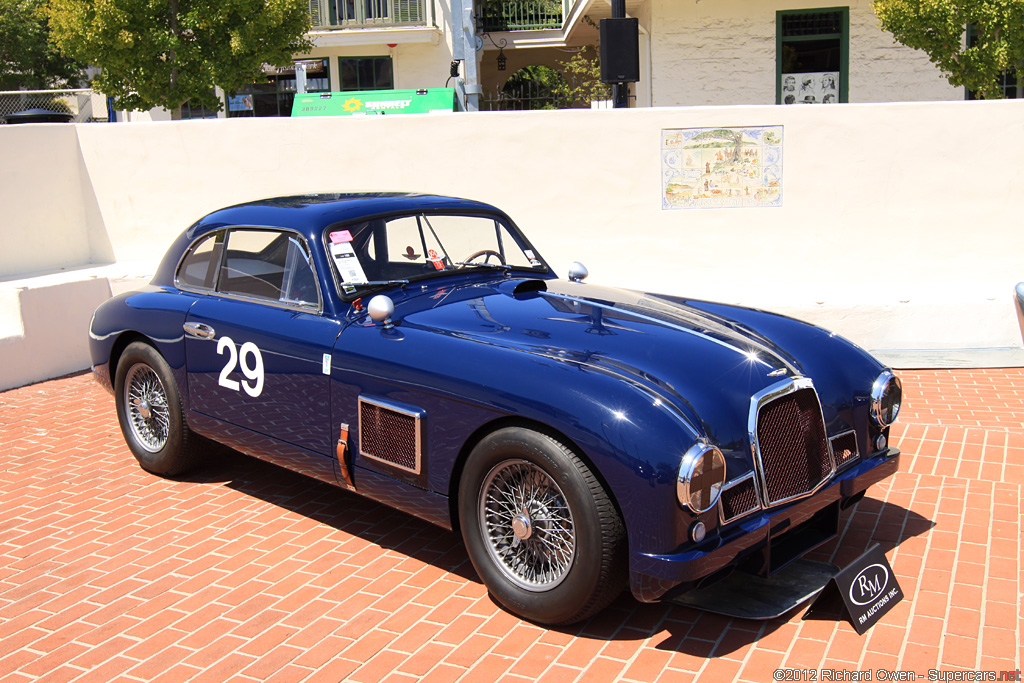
pixel 373 36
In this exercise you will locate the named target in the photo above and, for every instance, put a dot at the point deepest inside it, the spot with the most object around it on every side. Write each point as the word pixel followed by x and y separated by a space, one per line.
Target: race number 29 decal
pixel 253 371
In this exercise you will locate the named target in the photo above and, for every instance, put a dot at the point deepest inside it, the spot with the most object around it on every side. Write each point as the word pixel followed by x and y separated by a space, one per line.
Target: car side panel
pixel 289 397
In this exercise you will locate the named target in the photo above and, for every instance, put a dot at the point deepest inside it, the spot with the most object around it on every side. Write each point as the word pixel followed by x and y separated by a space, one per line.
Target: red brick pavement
pixel 244 571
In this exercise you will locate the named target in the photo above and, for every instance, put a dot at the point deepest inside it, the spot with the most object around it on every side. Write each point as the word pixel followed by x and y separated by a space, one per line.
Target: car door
pixel 257 348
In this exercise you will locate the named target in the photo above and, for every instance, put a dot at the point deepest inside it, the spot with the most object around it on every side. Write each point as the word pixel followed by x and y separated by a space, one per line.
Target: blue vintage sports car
pixel 418 350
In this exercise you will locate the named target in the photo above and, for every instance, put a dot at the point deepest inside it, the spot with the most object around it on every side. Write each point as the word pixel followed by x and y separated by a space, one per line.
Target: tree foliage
pixel 27 59
pixel 169 52
pixel 533 87
pixel 581 82
pixel 937 27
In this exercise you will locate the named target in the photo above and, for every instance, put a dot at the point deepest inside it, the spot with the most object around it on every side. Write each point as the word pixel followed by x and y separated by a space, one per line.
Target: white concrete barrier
pixel 897 227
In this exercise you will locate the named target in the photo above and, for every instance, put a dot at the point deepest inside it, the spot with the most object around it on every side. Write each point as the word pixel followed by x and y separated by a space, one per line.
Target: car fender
pixel 632 438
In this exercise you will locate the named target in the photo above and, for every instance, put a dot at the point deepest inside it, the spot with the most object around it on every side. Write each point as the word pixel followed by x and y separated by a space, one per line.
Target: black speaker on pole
pixel 620 50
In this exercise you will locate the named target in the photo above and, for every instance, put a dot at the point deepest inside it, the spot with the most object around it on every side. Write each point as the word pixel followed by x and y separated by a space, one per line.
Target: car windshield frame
pixel 364 233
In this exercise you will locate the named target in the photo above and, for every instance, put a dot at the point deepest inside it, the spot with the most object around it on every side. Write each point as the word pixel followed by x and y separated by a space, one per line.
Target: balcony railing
pixel 522 15
pixel 367 13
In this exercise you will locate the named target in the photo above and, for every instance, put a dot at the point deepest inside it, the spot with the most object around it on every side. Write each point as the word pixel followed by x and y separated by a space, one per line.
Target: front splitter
pixel 747 596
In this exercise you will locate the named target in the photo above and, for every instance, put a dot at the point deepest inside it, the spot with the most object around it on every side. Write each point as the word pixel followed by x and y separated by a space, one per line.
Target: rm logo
pixel 869 584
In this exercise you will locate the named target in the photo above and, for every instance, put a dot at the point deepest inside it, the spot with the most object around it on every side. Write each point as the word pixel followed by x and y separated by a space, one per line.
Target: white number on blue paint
pixel 253 370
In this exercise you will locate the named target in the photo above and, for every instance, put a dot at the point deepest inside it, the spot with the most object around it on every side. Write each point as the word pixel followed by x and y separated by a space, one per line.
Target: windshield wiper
pixel 472 264
pixel 374 283
pixel 379 282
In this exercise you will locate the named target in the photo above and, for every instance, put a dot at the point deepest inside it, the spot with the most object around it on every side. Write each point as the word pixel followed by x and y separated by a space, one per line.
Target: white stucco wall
pixel 897 229
pixel 48 221
pixel 723 52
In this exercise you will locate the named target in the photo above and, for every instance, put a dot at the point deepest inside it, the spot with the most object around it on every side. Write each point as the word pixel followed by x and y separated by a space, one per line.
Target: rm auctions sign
pixel 869 588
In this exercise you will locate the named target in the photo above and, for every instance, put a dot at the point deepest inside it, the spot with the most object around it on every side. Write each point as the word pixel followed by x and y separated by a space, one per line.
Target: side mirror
pixel 578 272
pixel 381 308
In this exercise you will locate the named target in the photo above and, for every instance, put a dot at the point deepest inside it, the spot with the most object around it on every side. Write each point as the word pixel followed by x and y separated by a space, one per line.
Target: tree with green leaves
pixel 581 83
pixel 938 27
pixel 27 59
pixel 164 53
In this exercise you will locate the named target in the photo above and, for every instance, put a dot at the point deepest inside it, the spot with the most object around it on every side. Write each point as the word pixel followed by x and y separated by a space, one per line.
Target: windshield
pixel 405 248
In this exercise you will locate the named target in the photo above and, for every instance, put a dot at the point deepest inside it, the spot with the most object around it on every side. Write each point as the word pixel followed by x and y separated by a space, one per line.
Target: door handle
pixel 198 330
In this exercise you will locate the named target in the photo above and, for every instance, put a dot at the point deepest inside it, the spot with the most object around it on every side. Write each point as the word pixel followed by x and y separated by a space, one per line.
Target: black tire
pixel 149 411
pixel 540 529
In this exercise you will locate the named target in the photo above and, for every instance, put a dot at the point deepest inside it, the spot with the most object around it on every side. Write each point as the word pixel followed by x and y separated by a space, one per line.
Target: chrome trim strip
pixel 758 401
pixel 722 521
pixel 409 411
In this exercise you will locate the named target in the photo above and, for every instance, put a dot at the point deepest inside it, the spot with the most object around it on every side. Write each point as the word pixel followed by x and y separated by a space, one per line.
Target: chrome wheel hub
pixel 145 406
pixel 522 527
pixel 527 525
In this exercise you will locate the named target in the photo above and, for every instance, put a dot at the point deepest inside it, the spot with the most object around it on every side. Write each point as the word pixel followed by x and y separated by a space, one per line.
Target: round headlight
pixel 701 475
pixel 886 397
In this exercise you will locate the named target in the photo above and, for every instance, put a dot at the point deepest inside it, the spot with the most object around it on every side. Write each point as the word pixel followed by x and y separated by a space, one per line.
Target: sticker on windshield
pixel 341 236
pixel 435 259
pixel 345 260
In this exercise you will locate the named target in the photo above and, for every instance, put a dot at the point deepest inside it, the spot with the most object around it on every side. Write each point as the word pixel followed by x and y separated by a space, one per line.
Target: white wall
pixel 723 52
pixel 898 227
pixel 47 221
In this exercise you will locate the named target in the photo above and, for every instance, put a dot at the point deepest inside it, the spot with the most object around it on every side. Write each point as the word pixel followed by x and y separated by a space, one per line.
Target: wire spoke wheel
pixel 145 403
pixel 527 525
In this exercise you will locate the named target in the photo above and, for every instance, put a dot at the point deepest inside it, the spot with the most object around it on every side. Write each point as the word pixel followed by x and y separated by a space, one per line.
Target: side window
pixel 198 268
pixel 299 286
pixel 268 264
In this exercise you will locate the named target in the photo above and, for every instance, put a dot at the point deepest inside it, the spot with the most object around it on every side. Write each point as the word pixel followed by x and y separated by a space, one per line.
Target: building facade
pixel 691 53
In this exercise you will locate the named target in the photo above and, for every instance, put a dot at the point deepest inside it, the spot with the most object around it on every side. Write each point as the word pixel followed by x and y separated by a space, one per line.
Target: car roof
pixel 313 212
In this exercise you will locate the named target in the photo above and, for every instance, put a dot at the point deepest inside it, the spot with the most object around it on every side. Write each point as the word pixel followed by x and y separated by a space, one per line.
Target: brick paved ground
pixel 244 571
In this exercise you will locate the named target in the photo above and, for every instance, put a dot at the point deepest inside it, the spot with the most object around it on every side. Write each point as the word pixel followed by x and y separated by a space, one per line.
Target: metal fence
pixel 520 15
pixel 367 13
pixel 85 105
pixel 521 96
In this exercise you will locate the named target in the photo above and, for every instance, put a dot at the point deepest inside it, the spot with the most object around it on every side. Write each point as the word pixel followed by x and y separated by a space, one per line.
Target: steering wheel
pixel 486 253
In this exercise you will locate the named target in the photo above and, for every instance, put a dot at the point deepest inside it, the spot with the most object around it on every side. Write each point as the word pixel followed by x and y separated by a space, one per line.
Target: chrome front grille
pixel 390 434
pixel 791 450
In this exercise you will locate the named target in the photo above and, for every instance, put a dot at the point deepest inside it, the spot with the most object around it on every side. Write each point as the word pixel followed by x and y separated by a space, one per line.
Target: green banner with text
pixel 374 102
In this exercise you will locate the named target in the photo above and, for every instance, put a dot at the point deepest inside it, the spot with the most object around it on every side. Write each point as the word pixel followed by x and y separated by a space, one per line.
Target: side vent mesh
pixel 738 500
pixel 389 436
pixel 844 447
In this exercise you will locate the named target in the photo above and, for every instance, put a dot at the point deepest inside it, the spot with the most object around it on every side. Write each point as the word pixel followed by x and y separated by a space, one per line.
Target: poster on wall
pixel 240 103
pixel 811 88
pixel 703 168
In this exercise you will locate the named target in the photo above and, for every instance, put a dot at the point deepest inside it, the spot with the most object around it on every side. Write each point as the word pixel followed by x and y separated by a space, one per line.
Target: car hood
pixel 707 360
